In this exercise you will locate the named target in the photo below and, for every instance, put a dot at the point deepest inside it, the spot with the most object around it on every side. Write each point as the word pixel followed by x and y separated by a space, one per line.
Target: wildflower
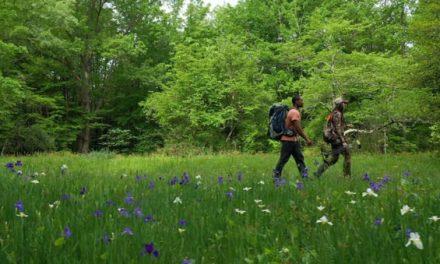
pixel 350 193
pixel 386 179
pixel 320 208
pixel 266 211
pixel 63 168
pixel 185 179
pixel 123 212
pixel 284 250
pixel 305 172
pixel 258 201
pixel 151 185
pixel 198 177
pixel 279 181
pixel 414 238
pixel 35 181
pixel 177 200
pixel 375 186
pixel 19 173
pixel 110 203
pixel 173 181
pixel 352 201
pixel 247 189
pixel 240 211
pixel 83 190
pixel 240 176
pixel 127 231
pixel 405 209
pixel 19 206
pixel 67 232
pixel 129 199
pixel 98 213
pixel 406 173
pixel 149 249
pixel 181 230
pixel 369 192
pixel 106 239
pixel 366 177
pixel 18 163
pixel 54 204
pixel 261 205
pixel 43 174
pixel 187 261
pixel 148 218
pixel 434 218
pixel 220 179
pixel 183 222
pixel 138 212
pixel 35 174
pixel 66 196
pixel 323 220
pixel 299 186
pixel 261 182
pixel 378 221
pixel 22 214
pixel 10 166
pixel 230 194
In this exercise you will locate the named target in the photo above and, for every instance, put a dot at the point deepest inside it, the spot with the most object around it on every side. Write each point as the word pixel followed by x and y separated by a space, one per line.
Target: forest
pixel 139 76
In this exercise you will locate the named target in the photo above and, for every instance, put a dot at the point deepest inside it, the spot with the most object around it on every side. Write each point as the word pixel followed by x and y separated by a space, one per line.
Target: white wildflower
pixel 405 209
pixel 35 181
pixel 369 192
pixel 320 208
pixel 177 200
pixel 54 204
pixel 352 201
pixel 266 211
pixel 324 220
pixel 198 177
pixel 414 238
pixel 258 201
pixel 350 193
pixel 247 189
pixel 434 218
pixel 240 211
pixel 261 182
pixel 21 214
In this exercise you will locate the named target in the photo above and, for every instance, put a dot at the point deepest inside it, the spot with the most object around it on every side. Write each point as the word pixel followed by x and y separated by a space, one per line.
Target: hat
pixel 339 100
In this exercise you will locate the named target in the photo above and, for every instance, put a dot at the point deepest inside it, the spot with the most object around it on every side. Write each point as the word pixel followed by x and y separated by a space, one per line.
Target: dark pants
pixel 290 148
pixel 334 156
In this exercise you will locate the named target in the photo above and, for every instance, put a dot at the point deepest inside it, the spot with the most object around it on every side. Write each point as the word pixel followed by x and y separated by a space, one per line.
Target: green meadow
pixel 103 208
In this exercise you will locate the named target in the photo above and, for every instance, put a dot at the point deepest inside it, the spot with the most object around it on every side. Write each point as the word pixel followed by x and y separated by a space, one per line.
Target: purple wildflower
pixel 220 179
pixel 407 173
pixel 129 199
pixel 138 212
pixel 240 176
pixel 305 172
pixel 408 231
pixel 123 212
pixel 106 239
pixel 156 253
pixel 151 185
pixel 279 181
pixel 299 185
pixel 183 222
pixel 366 177
pixel 98 213
pixel 378 221
pixel 148 218
pixel 173 181
pixel 19 206
pixel 230 194
pixel 138 178
pixel 83 190
pixel 65 196
pixel 127 231
pixel 18 163
pixel 110 203
pixel 375 186
pixel 67 232
pixel 386 179
pixel 149 248
pixel 187 261
pixel 9 165
pixel 185 179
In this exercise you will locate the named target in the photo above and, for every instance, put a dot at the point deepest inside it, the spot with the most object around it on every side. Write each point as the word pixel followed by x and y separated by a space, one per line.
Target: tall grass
pixel 207 226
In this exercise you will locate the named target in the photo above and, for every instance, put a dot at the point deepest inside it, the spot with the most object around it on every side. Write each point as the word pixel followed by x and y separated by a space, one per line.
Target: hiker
pixel 334 135
pixel 290 144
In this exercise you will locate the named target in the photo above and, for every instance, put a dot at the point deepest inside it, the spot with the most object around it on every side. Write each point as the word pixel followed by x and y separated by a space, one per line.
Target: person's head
pixel 297 101
pixel 340 103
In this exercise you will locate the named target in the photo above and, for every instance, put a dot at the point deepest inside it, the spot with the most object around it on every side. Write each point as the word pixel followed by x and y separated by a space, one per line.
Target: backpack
pixel 277 117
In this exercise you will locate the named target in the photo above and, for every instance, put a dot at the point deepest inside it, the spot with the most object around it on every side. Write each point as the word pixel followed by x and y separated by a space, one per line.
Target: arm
pixel 339 127
pixel 300 131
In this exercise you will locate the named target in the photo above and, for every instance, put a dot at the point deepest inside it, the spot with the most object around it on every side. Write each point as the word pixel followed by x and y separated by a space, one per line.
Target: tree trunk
pixel 85 99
